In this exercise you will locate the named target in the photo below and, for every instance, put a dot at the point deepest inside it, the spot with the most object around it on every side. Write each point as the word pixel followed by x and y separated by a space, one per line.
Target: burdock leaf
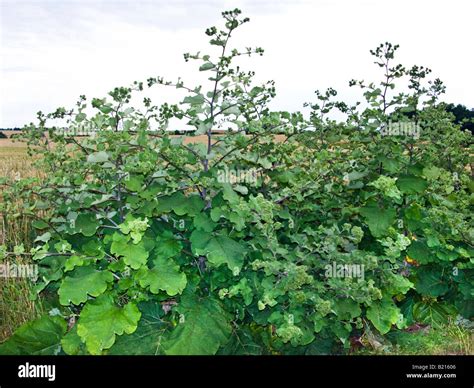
pixel 101 320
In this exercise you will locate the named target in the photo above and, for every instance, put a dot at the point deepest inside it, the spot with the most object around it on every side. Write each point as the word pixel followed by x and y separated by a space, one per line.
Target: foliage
pixel 463 116
pixel 154 252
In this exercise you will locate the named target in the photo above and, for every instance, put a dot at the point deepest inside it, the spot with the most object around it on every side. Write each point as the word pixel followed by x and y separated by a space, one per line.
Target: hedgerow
pixel 245 244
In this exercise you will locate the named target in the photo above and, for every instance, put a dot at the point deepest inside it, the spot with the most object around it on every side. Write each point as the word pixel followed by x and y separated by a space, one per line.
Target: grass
pixel 451 339
pixel 15 164
pixel 16 304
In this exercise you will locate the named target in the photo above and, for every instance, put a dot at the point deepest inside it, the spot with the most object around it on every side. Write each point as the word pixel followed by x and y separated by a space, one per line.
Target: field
pixel 16 306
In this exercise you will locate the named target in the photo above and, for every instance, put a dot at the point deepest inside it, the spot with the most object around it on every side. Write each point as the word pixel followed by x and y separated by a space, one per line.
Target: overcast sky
pixel 54 51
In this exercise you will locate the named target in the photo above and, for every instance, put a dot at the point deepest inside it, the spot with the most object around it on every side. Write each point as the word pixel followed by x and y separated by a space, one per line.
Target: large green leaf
pixel 134 255
pixel 378 220
pixel 85 281
pixel 446 254
pixel 167 245
pixel 72 343
pixel 435 314
pixel 149 336
pixel 229 194
pixel 397 284
pixel 199 239
pixel 431 281
pixel 204 223
pixel 383 315
pixel 419 251
pixel 101 320
pixel 134 182
pixel 224 250
pixel 465 308
pixel 465 281
pixel 389 164
pixel 204 327
pixel 242 343
pixel 180 204
pixel 86 223
pixel 98 157
pixel 219 250
pixel 432 172
pixel 39 337
pixel 165 276
pixel 50 269
pixel 406 308
pixel 410 184
pixel 346 309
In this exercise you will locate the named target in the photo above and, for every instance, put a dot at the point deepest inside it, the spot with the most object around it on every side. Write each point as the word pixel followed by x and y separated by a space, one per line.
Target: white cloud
pixel 53 51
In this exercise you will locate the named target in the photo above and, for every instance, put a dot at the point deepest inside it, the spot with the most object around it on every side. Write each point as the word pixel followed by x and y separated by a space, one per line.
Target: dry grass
pixel 16 306
pixel 15 162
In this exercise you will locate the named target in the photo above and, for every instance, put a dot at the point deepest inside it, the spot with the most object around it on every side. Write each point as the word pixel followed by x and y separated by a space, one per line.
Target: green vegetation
pixel 344 233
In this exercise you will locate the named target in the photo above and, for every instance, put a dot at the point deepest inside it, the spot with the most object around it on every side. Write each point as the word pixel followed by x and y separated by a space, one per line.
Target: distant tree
pixel 463 116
